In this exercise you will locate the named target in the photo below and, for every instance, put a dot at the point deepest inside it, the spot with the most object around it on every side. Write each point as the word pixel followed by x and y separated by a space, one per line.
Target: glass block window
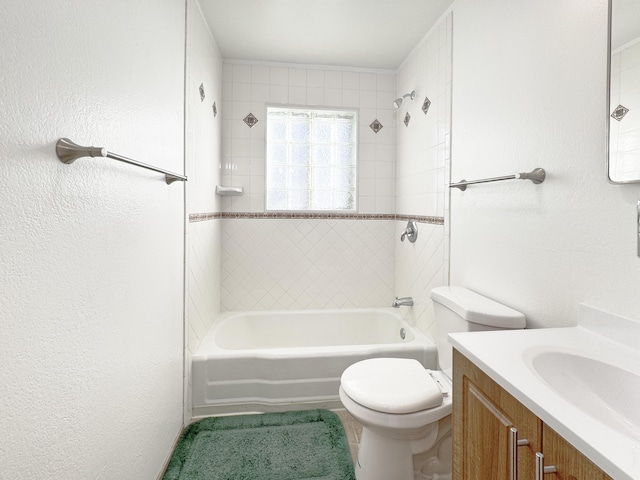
pixel 311 159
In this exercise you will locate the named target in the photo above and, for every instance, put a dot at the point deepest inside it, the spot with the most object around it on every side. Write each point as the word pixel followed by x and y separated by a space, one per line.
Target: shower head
pixel 398 101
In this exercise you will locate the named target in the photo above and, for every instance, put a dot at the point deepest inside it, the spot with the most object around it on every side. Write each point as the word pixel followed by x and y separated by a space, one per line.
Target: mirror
pixel 623 163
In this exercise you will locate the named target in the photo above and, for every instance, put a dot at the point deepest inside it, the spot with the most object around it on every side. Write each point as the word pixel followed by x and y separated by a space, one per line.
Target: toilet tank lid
pixel 475 308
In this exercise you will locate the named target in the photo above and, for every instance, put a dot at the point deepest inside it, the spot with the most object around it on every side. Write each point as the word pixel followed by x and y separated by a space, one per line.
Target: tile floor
pixel 353 429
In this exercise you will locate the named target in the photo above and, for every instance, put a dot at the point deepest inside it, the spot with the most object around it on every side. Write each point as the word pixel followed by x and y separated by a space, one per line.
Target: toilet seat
pixel 391 385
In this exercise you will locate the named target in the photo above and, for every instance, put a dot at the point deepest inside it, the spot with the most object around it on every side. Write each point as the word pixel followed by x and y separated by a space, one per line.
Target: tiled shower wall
pixel 286 263
pixel 291 263
pixel 273 264
pixel 249 88
pixel 422 171
pixel 202 152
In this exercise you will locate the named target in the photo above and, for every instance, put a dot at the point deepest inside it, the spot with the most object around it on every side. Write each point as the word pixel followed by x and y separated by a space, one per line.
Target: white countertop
pixel 505 357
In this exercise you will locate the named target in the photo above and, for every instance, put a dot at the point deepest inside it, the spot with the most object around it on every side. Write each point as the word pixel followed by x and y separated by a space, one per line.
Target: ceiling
pixel 376 34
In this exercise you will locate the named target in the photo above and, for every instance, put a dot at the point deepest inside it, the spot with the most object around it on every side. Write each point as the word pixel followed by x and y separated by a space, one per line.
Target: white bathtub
pixel 286 360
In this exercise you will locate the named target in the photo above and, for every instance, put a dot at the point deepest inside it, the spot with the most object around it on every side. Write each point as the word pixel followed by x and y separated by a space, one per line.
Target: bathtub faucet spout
pixel 404 301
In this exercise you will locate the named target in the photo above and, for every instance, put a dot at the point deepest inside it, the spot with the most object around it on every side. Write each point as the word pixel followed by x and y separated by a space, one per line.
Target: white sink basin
pixel 603 391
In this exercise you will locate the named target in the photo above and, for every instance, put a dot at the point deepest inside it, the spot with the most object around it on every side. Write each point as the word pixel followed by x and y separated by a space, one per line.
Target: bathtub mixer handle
pixel 411 232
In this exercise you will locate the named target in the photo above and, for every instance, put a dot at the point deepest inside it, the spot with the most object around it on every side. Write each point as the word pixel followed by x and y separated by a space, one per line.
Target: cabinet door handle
pixel 514 443
pixel 541 470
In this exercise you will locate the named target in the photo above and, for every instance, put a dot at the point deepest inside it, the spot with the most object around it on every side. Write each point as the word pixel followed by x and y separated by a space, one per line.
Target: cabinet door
pixel 483 416
pixel 571 464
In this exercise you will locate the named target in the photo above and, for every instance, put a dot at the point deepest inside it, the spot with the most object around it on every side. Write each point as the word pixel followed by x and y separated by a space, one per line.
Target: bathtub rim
pixel 208 347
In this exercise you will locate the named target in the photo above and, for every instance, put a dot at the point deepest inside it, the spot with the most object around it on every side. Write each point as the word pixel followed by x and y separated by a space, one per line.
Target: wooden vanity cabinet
pixel 571 464
pixel 496 437
pixel 483 416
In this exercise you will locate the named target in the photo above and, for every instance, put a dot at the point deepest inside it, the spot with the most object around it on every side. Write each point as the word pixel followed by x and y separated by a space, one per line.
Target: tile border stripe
pixel 420 219
pixel 201 217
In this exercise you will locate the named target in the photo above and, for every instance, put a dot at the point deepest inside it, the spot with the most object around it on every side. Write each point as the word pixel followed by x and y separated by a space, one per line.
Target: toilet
pixel 405 409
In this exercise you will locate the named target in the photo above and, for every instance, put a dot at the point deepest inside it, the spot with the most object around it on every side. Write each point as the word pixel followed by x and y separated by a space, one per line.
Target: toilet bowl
pixel 405 409
pixel 400 405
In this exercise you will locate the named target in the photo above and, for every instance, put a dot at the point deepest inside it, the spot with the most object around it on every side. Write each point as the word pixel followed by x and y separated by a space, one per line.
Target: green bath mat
pixel 308 445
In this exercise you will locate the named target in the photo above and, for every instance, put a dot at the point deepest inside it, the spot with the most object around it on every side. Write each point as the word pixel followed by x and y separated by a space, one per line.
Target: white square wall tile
pixel 333 79
pixel 297 95
pixel 241 73
pixel 297 77
pixel 227 72
pixel 279 76
pixel 260 74
pixel 259 93
pixel 368 81
pixel 333 97
pixel 315 96
pixel 351 80
pixel 386 83
pixel 315 78
pixel 278 94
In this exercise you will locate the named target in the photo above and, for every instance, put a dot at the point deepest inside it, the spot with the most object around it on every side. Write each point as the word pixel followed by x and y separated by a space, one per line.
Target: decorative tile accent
pixel 421 219
pixel 215 109
pixel 407 119
pixel 201 88
pixel 202 217
pixel 426 105
pixel 376 126
pixel 307 216
pixel 250 120
pixel 619 113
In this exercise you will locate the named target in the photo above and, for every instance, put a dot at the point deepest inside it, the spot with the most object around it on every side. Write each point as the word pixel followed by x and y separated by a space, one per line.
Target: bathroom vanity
pixel 497 437
pixel 548 403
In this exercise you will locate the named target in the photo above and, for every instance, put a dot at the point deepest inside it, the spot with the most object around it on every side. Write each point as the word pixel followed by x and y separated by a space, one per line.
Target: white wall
pixel 529 90
pixel 91 253
pixel 203 158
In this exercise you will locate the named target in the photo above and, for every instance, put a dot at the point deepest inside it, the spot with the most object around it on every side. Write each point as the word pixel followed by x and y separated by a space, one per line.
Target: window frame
pixel 352 110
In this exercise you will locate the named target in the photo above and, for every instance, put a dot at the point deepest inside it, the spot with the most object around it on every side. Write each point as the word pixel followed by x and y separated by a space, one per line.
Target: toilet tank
pixel 458 309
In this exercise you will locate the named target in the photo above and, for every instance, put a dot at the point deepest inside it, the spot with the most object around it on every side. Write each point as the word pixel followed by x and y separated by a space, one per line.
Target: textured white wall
pixel 91 253
pixel 203 153
pixel 529 83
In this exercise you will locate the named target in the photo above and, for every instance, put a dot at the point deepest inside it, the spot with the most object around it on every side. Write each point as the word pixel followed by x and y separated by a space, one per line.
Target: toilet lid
pixel 391 385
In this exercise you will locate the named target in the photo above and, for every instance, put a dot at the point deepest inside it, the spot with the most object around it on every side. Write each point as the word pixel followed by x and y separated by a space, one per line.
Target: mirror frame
pixel 608 102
